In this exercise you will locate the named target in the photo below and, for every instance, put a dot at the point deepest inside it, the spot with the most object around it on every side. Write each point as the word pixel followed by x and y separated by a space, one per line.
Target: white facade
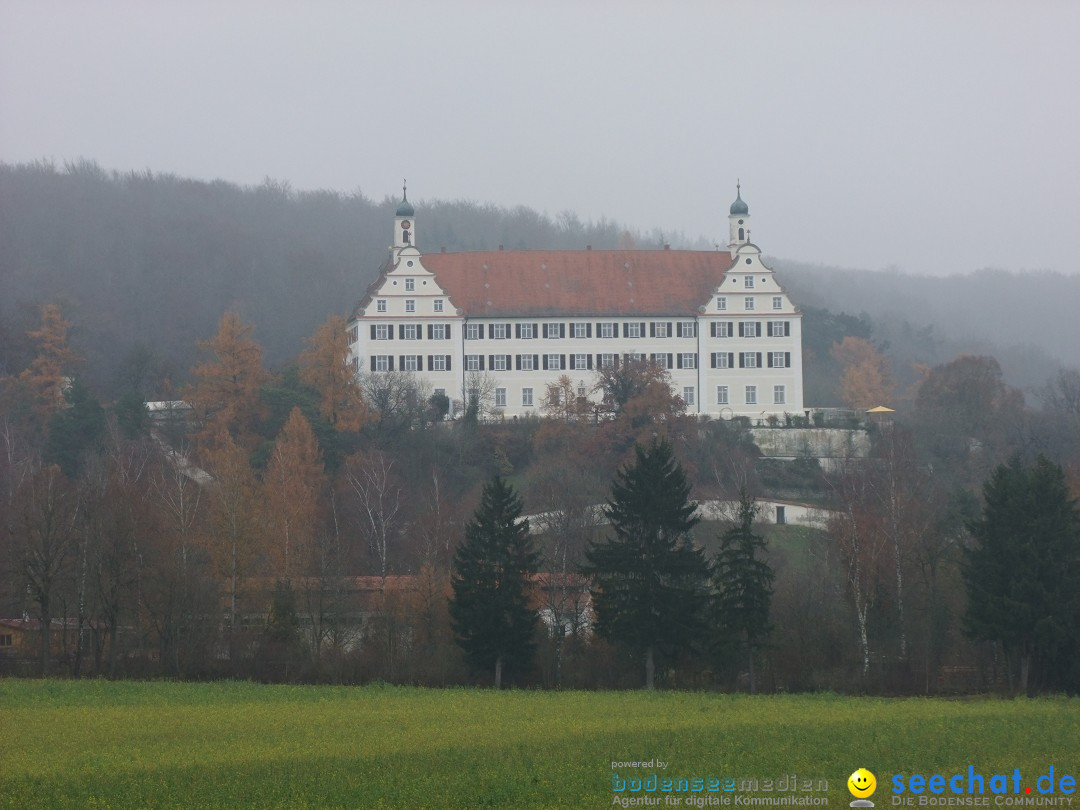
pixel 516 322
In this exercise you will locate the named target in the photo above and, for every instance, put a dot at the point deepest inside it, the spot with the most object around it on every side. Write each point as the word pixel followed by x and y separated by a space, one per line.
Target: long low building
pixel 507 324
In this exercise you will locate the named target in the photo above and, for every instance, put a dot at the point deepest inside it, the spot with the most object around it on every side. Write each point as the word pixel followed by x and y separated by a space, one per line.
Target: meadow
pixel 100 744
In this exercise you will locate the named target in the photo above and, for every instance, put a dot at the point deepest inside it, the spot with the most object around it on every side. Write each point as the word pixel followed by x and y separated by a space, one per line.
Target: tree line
pixel 309 525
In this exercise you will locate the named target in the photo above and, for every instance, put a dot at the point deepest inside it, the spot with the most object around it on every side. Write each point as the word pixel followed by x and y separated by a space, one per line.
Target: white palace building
pixel 519 320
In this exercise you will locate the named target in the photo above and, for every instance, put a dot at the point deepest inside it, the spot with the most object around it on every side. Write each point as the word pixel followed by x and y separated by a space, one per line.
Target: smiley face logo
pixel 862 784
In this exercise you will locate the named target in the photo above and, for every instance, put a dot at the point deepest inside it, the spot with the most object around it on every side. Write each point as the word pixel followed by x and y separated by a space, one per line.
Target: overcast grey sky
pixel 934 137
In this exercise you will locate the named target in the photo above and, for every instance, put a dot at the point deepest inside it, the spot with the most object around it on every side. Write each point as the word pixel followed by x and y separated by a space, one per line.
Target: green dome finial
pixel 405 209
pixel 739 207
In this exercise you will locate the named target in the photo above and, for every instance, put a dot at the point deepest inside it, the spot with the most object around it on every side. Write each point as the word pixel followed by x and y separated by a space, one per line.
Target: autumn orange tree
pixel 866 380
pixel 639 404
pixel 233 539
pixel 292 488
pixel 226 389
pixel 325 367
pixel 563 402
pixel 53 363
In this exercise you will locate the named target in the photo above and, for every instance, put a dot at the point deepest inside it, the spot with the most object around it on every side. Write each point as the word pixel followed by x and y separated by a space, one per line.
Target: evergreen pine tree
pixel 743 587
pixel 650 582
pixel 1023 573
pixel 493 621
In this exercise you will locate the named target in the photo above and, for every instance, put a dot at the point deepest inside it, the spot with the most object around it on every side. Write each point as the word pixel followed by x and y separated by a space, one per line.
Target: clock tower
pixel 404 226
pixel 738 222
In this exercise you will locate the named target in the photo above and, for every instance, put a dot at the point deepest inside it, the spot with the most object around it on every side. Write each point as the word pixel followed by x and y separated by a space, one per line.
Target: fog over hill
pixel 1026 320
pixel 149 260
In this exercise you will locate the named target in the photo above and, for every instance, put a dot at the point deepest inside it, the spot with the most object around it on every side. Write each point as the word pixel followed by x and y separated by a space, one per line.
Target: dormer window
pixel 410 284
pixel 380 305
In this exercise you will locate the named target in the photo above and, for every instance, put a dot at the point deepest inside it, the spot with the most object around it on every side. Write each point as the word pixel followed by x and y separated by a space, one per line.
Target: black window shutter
pixel 669 360
pixel 742 360
pixel 742 329
pixel 373 331
pixel 391 359
pixel 626 329
pixel 731 359
pixel 652 328
pixel 420 362
pixel 430 361
pixel 679 362
pixel 641 328
pixel 491 361
pixel 517 362
pixel 713 327
pixel 588 361
pixel 615 329
pixel 481 330
pixel 430 331
pixel 562 330
pixel 712 360
pixel 769 358
pixel 588 330
pixel 598 330
pixel 759 359
pixel 787 328
pixel 447 362
pixel 401 362
pixel 517 331
pixel 509 330
pixel 536 361
pixel 669 332
pixel 373 359
pixel 759 332
pixel 545 362
pixel 787 359
pixel 562 361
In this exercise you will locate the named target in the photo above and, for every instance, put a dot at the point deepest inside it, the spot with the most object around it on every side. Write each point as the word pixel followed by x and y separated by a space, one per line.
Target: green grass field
pixel 96 744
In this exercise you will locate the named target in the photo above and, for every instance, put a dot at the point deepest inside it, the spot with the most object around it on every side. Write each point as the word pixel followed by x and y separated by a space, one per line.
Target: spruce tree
pixel 649 581
pixel 743 588
pixel 1023 573
pixel 494 622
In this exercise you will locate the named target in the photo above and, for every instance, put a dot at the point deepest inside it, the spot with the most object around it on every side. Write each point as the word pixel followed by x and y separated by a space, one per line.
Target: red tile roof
pixel 582 282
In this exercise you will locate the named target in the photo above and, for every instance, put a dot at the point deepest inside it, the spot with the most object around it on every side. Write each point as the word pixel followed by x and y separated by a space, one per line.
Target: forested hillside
pixel 144 265
pixel 154 260
pixel 299 521
pixel 1025 320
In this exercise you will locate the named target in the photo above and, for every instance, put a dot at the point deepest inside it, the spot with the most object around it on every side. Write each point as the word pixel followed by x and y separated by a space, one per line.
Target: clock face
pixel 405 225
